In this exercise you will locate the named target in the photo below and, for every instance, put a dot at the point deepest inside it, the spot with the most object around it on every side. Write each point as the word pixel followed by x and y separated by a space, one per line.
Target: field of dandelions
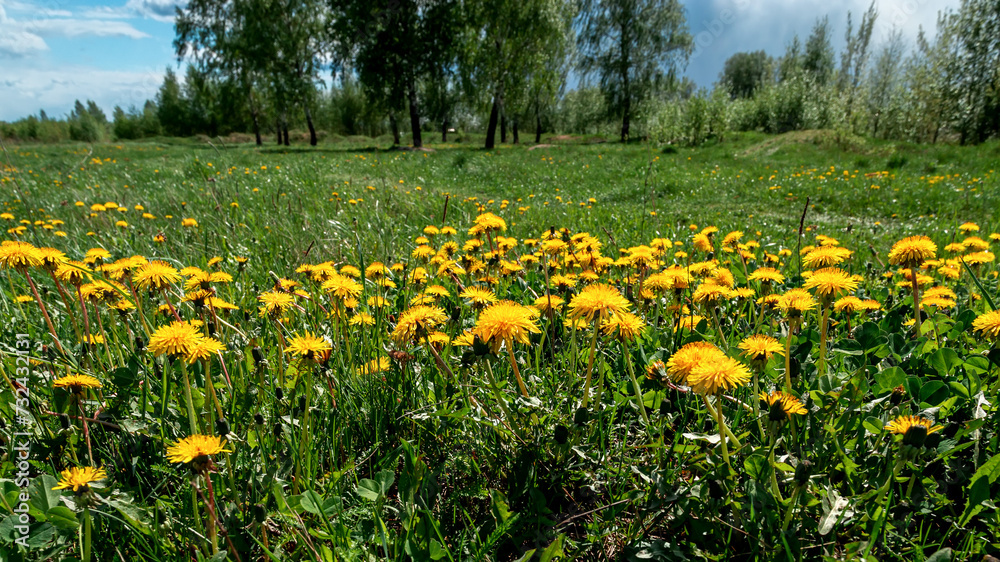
pixel 569 352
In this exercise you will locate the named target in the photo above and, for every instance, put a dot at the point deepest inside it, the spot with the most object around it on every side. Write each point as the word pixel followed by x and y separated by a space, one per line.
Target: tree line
pixel 501 67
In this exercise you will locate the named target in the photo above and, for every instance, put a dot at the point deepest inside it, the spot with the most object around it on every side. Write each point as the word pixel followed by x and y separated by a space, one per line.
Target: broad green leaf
pixel 934 392
pixel 888 379
pixel 369 489
pixel 944 361
pixel 63 518
pixel 978 489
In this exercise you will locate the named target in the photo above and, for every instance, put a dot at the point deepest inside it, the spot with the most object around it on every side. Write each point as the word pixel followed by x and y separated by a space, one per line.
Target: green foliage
pixel 420 460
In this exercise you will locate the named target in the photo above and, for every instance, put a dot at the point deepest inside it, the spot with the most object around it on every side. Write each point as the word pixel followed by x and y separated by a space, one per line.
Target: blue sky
pixel 53 52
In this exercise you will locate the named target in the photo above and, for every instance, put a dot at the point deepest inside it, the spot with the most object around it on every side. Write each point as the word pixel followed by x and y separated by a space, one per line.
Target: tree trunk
pixel 514 128
pixel 411 94
pixel 491 128
pixel 395 128
pixel 284 129
pixel 309 123
pixel 503 128
pixel 255 119
pixel 444 131
pixel 277 128
pixel 625 118
pixel 538 125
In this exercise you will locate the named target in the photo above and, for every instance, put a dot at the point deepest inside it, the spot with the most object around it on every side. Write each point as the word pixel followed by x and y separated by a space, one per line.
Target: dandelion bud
pixel 258 419
pixel 897 395
pixel 561 434
pixel 279 394
pixel 802 472
pixel 222 427
pixel 258 356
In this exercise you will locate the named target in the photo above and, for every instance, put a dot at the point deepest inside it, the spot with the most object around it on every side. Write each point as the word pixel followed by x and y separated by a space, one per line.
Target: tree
pixel 506 43
pixel 976 29
pixel 744 73
pixel 230 40
pixel 394 45
pixel 632 45
pixel 818 58
pixel 790 64
pixel 854 59
pixel 170 108
pixel 884 79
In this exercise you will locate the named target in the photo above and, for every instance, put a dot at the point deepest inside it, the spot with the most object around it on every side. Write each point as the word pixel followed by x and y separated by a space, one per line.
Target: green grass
pixel 428 459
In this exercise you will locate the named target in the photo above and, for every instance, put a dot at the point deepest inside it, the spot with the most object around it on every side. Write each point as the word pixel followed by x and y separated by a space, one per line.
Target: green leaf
pixel 978 489
pixel 501 512
pixel 944 361
pixel 385 479
pixel 311 502
pixel 369 489
pixel 437 552
pixel 43 497
pixel 889 379
pixel 138 517
pixel 934 392
pixel 63 518
pixel 874 425
pixel 552 551
pixel 943 555
pixel 756 466
pixel 41 535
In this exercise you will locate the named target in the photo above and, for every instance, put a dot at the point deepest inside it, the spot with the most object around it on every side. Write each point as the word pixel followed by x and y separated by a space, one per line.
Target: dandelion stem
pixel 45 312
pixel 638 391
pixel 823 332
pixel 88 526
pixel 188 400
pixel 723 429
pixel 916 303
pixel 590 366
pixel 715 416
pixel 517 372
pixel 791 507
pixel 788 357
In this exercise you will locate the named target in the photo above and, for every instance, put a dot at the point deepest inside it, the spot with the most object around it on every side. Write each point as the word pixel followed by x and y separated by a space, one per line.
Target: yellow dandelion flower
pixel 79 479
pixel 308 346
pixel 988 325
pixel 718 373
pixel 598 299
pixel 76 384
pixel 177 339
pixel 375 366
pixel 417 321
pixel 912 251
pixel 684 360
pixel 196 448
pixel 504 323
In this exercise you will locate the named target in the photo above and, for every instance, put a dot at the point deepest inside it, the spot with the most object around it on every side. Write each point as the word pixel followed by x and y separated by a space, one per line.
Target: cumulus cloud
pixel 723 27
pixel 24 27
pixel 162 10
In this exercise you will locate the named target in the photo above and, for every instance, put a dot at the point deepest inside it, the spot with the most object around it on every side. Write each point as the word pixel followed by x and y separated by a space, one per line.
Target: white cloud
pixel 73 28
pixel 723 27
pixel 161 10
pixel 55 89
pixel 15 43
pixel 23 31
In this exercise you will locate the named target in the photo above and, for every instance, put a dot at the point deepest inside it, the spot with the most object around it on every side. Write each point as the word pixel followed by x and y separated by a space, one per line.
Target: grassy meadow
pixel 577 350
